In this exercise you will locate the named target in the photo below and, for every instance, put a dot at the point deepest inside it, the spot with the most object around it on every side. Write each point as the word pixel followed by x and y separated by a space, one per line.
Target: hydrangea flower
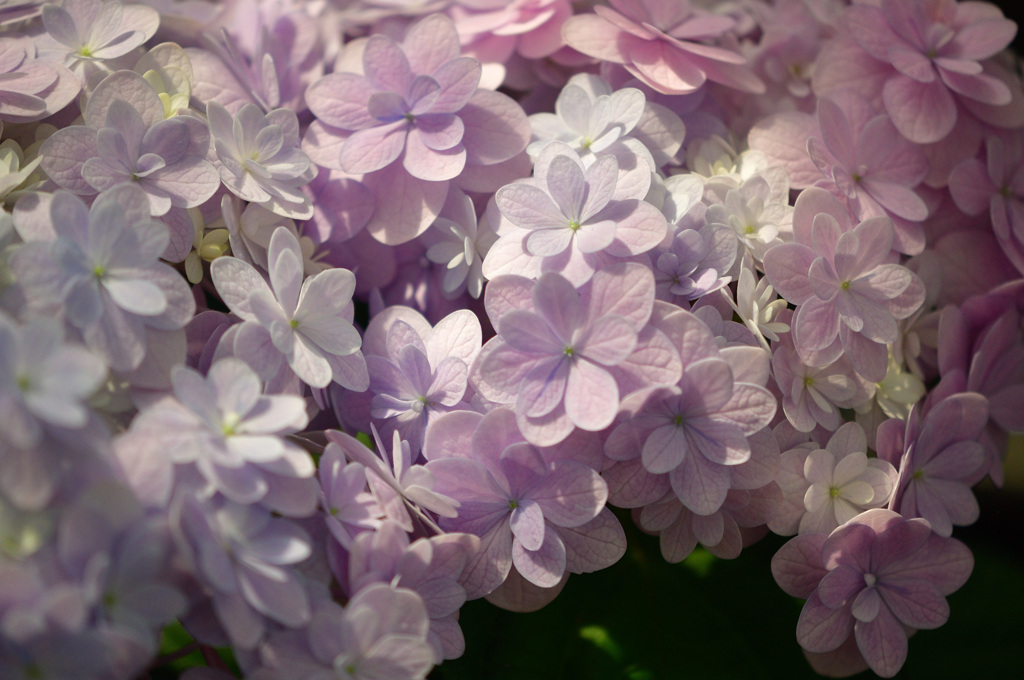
pixel 874 579
pixel 843 287
pixel 83 34
pixel 413 117
pixel 43 380
pixel 431 567
pixel 757 211
pixel 301 324
pixel 418 372
pixel 827 487
pixel 939 458
pixel 658 42
pixel 31 89
pixel 572 219
pixel 695 430
pixel 556 354
pixel 595 121
pixel 994 185
pixel 244 555
pixel 127 140
pixel 933 53
pixel 460 242
pixel 397 484
pixel 528 512
pixel 259 158
pixel 381 633
pixel 232 433
pixel 103 273
pixel 268 60
pixel 348 507
pixel 696 261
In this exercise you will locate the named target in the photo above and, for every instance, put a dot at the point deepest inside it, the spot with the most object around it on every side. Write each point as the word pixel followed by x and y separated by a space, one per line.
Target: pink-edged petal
pixel 922 112
pixel 609 341
pixel 701 485
pixel 816 324
pixel 821 628
pixel 595 545
pixel 496 128
pixel 543 387
pixel 786 266
pixel 883 643
pixel 665 68
pixel 373 148
pixel 981 87
pixel 797 566
pixel 591 396
pixel 664 449
pixel 594 36
pixel 340 99
pixel 543 567
pixel 428 164
pixel 529 207
pixel 527 522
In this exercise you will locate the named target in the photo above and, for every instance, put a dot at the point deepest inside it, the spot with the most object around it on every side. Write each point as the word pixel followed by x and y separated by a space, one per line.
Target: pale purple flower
pixel 411 118
pixel 843 288
pixel 270 65
pixel 431 567
pixel 349 508
pixel 757 211
pixel 827 487
pixel 661 43
pixel 873 579
pixel 83 34
pixel 31 89
pixel 259 158
pixel 395 482
pixel 865 160
pixel 724 533
pixel 380 633
pixel 569 218
pixel 418 372
pixel 933 52
pixel 103 272
pixel 595 121
pixel 121 558
pixel 543 517
pixel 244 556
pixel 812 396
pixel 758 305
pixel 494 30
pixel 232 434
pixel 696 261
pixel 553 359
pixel 460 242
pixel 304 324
pixel 995 185
pixel 696 430
pixel 43 380
pixel 127 140
pixel 939 458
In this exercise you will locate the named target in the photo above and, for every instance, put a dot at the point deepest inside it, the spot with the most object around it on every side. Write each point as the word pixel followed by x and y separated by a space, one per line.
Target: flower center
pixel 513 504
pixel 845 285
pixel 833 491
pixel 870 580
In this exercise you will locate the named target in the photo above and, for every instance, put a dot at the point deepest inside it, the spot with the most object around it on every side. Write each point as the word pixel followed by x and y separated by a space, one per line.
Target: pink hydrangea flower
pixel 874 579
pixel 660 42
pixel 842 284
pixel 931 51
pixel 411 113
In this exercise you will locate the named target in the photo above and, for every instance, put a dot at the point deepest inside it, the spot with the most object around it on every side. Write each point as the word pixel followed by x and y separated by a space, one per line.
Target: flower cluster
pixel 309 334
